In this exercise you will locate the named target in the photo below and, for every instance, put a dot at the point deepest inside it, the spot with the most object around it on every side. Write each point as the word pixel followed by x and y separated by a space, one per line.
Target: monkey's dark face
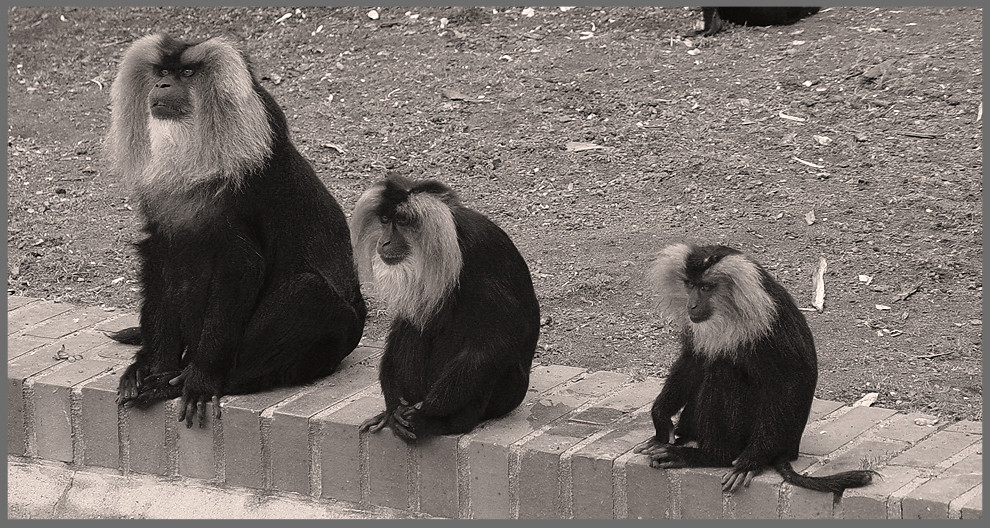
pixel 171 96
pixel 701 285
pixel 700 295
pixel 174 77
pixel 394 243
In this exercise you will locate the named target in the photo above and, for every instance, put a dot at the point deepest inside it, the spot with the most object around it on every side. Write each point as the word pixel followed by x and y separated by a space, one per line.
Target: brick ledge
pixel 564 453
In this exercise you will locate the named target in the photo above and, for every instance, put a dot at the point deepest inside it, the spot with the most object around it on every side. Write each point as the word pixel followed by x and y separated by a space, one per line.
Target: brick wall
pixel 566 452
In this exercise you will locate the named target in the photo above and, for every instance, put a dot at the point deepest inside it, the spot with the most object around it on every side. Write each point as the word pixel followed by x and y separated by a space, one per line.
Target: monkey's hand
pixel 374 424
pixel 742 475
pixel 131 382
pixel 198 388
pixel 654 446
pixel 667 457
pixel 401 421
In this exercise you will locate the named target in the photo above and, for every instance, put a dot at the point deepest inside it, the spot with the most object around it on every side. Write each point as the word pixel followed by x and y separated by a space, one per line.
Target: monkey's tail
pixel 127 336
pixel 834 483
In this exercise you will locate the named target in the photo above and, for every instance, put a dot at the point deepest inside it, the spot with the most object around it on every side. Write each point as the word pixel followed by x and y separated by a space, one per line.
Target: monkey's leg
pixel 299 332
pixel 237 278
pixel 458 398
pixel 776 434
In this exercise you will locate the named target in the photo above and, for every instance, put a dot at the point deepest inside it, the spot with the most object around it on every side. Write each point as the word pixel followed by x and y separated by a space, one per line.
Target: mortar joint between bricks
pixel 412 477
pixel 75 425
pixel 172 437
pixel 124 439
pixel 464 476
pixel 620 499
pixel 566 478
pixel 315 432
pixel 728 506
pixel 975 447
pixel 267 473
pixel 956 505
pixel 219 452
pixel 515 462
pixel 895 509
pixel 30 424
pixel 363 468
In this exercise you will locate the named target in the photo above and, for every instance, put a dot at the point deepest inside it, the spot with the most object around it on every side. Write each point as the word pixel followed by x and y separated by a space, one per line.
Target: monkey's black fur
pixel 716 17
pixel 745 406
pixel 471 360
pixel 259 291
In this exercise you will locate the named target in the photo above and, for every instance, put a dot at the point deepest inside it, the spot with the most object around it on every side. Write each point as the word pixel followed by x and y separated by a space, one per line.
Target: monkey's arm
pixel 161 336
pixel 683 381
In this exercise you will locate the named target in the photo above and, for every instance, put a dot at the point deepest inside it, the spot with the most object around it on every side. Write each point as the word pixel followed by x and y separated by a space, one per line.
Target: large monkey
pixel 465 316
pixel 716 17
pixel 247 270
pixel 746 376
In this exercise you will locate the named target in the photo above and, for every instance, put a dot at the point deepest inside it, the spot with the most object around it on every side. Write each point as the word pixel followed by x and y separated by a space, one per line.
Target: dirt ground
pixel 868 119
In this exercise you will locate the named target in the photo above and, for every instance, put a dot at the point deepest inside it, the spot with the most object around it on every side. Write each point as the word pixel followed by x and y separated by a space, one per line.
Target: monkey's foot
pixel 654 446
pixel 198 389
pixel 668 457
pixel 743 472
pixel 737 478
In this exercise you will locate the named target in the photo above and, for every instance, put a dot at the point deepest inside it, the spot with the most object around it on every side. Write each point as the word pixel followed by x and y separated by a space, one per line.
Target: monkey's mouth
pixel 699 318
pixel 167 112
pixel 391 260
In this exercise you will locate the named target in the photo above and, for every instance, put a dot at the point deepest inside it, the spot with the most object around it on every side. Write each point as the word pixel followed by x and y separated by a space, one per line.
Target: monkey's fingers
pixel 201 411
pixel 410 410
pixel 373 424
pixel 667 459
pixel 178 379
pixel 402 432
pixel 188 406
pixel 735 479
pixel 651 447
pixel 139 376
pixel 401 416
pixel 730 481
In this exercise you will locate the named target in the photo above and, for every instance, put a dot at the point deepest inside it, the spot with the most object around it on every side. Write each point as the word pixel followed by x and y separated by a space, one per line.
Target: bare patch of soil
pixel 866 117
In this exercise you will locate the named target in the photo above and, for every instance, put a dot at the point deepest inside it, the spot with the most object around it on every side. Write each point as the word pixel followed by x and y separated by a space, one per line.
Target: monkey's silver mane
pixel 744 311
pixel 415 287
pixel 226 137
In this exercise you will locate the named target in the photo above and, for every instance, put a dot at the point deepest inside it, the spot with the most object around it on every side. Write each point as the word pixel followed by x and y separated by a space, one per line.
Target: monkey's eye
pixel 385 219
pixel 707 287
pixel 163 73
pixel 188 72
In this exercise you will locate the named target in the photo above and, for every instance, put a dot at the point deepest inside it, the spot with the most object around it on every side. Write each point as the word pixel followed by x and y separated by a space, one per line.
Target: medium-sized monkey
pixel 746 376
pixel 247 271
pixel 717 17
pixel 465 319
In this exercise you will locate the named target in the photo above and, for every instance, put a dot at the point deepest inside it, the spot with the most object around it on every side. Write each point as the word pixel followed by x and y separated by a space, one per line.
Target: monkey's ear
pixel 437 190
